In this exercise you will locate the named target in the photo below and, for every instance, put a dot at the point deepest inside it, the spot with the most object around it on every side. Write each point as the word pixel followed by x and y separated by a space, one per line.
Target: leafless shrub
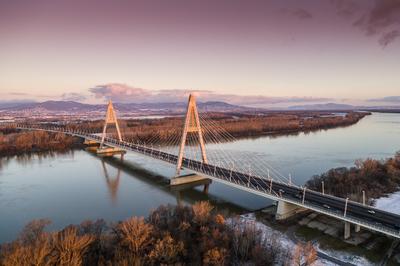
pixel 166 251
pixel 70 247
pixel 202 211
pixel 215 256
pixel 33 230
pixel 136 235
pixel 33 247
pixel 304 254
pixel 375 177
pixel 95 228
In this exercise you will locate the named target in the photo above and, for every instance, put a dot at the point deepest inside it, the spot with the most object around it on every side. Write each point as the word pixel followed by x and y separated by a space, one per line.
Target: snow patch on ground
pixel 346 257
pixel 268 232
pixel 288 243
pixel 389 203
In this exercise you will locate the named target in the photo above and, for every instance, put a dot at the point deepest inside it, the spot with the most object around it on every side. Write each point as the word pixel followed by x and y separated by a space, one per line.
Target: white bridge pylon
pixel 192 124
pixel 111 118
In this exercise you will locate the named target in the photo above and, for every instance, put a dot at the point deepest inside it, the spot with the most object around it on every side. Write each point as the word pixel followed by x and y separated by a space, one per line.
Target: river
pixel 72 187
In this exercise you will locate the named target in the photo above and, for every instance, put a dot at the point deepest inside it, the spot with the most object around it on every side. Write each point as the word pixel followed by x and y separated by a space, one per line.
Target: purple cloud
pixel 73 96
pixel 27 95
pixel 124 93
pixel 388 99
pixel 389 37
pixel 345 8
pixel 382 18
pixel 301 13
pixel 120 92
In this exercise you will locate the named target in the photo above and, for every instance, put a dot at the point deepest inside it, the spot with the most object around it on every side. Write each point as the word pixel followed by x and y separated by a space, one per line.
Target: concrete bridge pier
pixel 109 151
pixel 89 143
pixel 178 197
pixel 357 228
pixel 286 210
pixel 189 181
pixel 206 187
pixel 347 230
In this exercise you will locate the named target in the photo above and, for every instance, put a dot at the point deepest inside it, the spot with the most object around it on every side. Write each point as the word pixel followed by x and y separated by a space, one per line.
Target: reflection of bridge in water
pixel 182 193
pixel 218 165
pixel 112 182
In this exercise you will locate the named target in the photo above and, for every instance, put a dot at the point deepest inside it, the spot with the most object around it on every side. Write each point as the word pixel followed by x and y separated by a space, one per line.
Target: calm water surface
pixel 72 187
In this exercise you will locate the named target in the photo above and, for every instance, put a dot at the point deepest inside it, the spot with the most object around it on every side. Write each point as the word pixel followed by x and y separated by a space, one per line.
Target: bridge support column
pixel 205 189
pixel 357 228
pixel 89 143
pixel 347 229
pixel 189 181
pixel 109 151
pixel 111 118
pixel 178 198
pixel 286 210
pixel 191 125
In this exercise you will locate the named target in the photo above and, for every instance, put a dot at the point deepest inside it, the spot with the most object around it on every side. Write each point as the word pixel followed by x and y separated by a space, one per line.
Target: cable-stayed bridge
pixel 186 149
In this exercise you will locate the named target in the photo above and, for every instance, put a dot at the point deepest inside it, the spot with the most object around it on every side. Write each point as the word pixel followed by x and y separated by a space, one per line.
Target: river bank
pixel 238 126
pixel 31 142
pixel 376 177
pixel 330 251
pixel 170 235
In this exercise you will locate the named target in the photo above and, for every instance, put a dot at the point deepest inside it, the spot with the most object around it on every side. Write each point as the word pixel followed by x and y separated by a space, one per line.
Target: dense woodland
pixel 376 177
pixel 179 235
pixel 12 142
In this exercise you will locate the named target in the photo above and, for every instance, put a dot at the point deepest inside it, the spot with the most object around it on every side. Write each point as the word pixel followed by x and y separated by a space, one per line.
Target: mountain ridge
pixel 211 106
pixel 73 106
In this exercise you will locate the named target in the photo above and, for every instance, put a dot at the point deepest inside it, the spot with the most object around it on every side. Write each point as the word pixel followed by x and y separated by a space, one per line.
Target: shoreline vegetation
pixel 15 142
pixel 236 125
pixel 377 178
pixel 170 235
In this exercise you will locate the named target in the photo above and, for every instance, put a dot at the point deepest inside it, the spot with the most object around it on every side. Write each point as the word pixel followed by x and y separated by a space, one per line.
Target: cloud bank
pixel 73 96
pixel 381 19
pixel 124 93
pixel 388 99
pixel 302 13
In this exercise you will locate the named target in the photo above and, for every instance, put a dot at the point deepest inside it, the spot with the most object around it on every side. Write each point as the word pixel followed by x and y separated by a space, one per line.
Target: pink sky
pixel 322 49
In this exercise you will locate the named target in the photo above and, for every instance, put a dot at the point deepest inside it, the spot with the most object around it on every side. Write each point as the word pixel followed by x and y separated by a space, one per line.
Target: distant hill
pixel 172 107
pixel 326 106
pixel 12 104
pixel 75 107
pixel 53 106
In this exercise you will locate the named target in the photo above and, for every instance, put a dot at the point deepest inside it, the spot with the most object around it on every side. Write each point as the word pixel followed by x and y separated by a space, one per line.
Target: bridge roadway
pixel 356 213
